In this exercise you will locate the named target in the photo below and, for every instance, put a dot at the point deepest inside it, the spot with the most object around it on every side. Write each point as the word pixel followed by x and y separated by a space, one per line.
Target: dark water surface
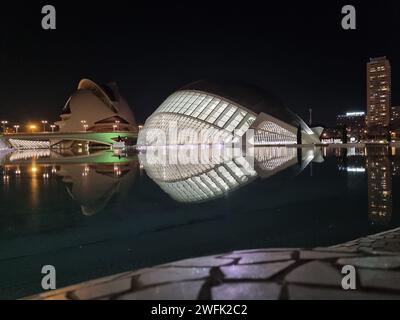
pixel 92 215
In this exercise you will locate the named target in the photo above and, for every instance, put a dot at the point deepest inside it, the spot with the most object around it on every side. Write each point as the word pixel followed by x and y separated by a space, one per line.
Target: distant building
pixel 331 135
pixel 354 123
pixel 378 93
pixel 96 108
pixel 395 117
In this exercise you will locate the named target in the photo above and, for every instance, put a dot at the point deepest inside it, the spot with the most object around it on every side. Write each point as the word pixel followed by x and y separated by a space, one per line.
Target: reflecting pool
pixel 97 213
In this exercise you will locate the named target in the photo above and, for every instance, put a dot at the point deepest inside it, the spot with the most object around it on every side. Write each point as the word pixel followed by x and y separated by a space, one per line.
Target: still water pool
pixel 95 214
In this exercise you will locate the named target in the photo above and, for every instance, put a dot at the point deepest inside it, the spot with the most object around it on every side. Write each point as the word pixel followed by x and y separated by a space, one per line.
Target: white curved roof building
pixel 98 108
pixel 191 175
pixel 208 113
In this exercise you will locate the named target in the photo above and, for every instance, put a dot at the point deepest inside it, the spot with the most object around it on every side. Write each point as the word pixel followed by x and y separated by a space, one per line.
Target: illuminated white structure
pixel 96 108
pixel 29 144
pixel 191 174
pixel 207 175
pixel 211 113
pixel 3 145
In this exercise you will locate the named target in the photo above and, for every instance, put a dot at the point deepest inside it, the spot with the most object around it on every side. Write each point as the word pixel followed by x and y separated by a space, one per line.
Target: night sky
pixel 295 49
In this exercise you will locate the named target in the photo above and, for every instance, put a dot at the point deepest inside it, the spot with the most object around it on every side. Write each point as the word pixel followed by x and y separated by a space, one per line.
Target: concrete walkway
pixel 258 275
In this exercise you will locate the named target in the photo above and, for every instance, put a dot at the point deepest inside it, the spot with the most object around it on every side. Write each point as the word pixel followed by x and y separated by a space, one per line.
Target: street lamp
pixel 4 122
pixel 16 127
pixel 44 122
pixel 84 124
pixel 117 122
pixel 32 127
pixel 52 127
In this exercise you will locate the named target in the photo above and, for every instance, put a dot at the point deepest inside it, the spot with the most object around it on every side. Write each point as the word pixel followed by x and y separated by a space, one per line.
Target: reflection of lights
pixel 17 172
pixel 117 171
pixel 6 178
pixel 355 170
pixel 34 169
pixel 352 169
pixel 54 170
pixel 85 171
pixel 46 175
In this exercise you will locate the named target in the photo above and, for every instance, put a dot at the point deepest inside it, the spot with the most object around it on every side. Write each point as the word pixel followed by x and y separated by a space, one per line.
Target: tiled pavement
pixel 258 275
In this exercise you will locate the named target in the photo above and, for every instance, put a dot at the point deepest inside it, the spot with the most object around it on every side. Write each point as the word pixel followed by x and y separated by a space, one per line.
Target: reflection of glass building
pixel 203 178
pixel 198 174
pixel 209 113
pixel 379 187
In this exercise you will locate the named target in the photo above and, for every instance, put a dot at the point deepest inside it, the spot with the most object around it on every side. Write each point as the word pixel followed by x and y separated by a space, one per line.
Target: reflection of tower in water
pixel 380 201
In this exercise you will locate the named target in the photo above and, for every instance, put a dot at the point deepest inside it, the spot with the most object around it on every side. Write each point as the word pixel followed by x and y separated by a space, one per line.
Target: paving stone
pixel 315 272
pixel 174 291
pixel 172 275
pixel 370 251
pixel 367 240
pixel 320 255
pixel 379 279
pixel 250 258
pixel 338 249
pixel 58 297
pixel 200 262
pixel 376 262
pixel 266 250
pixel 297 292
pixel 104 289
pixel 247 291
pixel 256 271
pixel 379 244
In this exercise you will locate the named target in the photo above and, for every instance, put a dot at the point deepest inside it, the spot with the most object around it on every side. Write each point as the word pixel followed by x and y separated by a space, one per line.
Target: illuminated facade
pixel 211 113
pixel 354 122
pixel 97 109
pixel 202 173
pixel 378 92
pixel 395 117
pixel 380 203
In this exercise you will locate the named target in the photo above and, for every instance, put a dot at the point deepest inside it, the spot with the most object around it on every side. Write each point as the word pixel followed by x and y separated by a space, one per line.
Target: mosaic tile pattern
pixel 260 274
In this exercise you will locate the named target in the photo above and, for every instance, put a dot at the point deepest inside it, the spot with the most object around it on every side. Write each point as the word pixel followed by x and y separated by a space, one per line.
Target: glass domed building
pixel 207 112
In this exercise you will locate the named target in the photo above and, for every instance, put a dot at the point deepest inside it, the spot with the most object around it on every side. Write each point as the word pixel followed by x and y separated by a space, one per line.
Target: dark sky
pixel 295 49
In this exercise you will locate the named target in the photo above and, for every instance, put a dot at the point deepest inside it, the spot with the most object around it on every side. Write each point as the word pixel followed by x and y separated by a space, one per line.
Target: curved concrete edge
pixel 258 274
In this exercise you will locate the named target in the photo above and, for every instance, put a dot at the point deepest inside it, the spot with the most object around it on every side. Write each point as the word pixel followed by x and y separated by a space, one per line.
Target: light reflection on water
pixel 97 213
